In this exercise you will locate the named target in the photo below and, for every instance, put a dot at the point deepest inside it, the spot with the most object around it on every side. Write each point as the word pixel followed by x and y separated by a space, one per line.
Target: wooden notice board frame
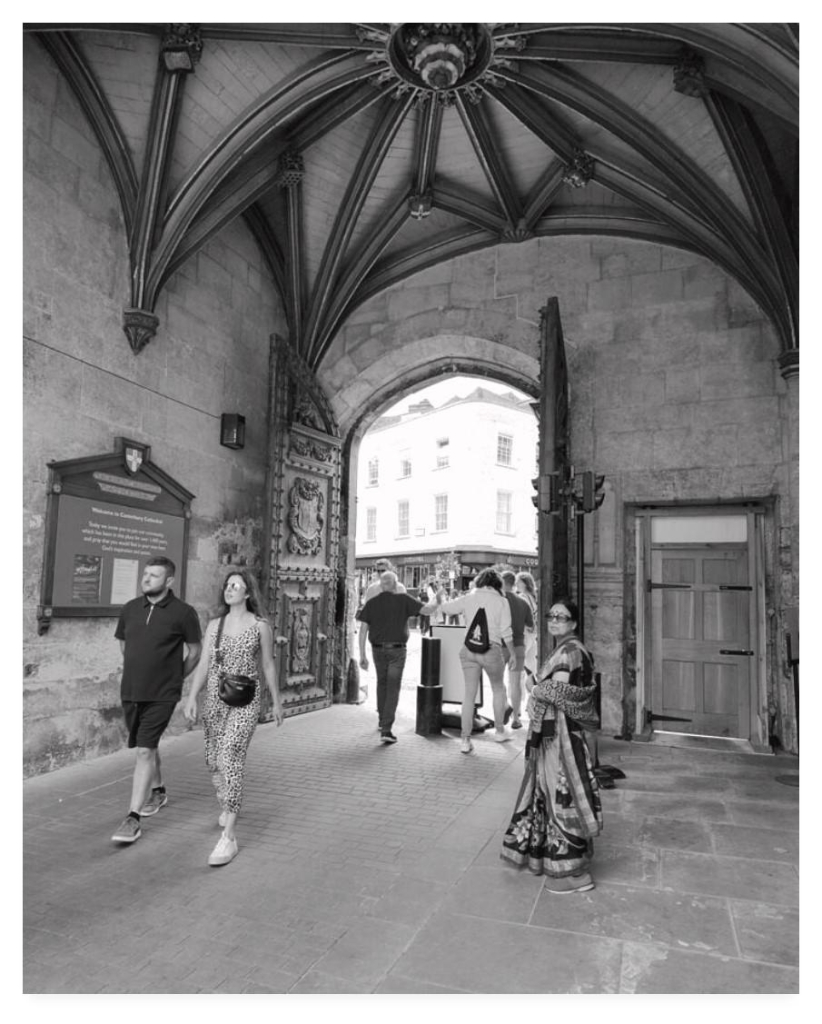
pixel 106 515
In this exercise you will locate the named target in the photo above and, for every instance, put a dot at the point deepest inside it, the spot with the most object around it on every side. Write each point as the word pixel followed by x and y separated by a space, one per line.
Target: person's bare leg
pixel 144 769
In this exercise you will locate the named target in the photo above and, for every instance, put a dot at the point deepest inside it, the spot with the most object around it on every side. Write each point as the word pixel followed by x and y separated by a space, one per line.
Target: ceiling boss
pixel 440 58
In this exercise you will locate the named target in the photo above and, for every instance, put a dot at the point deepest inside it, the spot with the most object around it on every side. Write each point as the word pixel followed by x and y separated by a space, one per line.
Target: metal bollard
pixel 429 692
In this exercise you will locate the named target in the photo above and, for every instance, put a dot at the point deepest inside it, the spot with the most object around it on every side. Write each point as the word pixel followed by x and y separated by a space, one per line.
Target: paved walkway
pixel 367 868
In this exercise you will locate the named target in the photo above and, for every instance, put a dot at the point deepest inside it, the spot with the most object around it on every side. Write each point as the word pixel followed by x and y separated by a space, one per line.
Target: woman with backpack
pixel 488 617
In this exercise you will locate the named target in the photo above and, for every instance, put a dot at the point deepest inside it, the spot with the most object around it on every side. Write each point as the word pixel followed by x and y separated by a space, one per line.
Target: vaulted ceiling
pixel 361 154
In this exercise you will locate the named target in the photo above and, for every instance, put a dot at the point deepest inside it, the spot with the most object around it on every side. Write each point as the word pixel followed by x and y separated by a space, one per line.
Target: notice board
pixel 107 515
pixel 452 680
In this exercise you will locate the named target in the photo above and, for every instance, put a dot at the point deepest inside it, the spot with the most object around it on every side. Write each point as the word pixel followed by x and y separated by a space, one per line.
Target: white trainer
pixel 466 746
pixel 501 736
pixel 224 852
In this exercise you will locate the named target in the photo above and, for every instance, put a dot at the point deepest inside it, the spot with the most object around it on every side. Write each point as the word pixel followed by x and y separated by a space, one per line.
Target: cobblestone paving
pixel 368 868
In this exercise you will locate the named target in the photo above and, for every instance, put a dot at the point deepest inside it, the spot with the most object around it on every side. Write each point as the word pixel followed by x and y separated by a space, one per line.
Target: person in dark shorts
pixel 385 618
pixel 153 631
pixel 521 619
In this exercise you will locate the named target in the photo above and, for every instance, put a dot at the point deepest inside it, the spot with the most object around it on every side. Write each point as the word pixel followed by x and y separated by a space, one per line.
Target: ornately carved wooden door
pixel 304 530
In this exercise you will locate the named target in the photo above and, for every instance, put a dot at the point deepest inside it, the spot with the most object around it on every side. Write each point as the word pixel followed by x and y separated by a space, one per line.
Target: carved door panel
pixel 305 488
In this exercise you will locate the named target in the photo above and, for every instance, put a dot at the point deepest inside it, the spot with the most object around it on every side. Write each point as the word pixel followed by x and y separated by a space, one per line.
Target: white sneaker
pixel 466 746
pixel 501 736
pixel 224 852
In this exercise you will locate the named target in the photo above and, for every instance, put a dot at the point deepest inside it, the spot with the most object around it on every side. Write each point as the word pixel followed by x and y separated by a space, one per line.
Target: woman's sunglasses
pixel 557 617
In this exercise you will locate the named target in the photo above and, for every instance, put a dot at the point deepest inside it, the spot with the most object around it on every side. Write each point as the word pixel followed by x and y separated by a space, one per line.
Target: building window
pixel 373 472
pixel 505 449
pixel 370 524
pixel 405 467
pixel 442 452
pixel 440 511
pixel 504 512
pixel 403 527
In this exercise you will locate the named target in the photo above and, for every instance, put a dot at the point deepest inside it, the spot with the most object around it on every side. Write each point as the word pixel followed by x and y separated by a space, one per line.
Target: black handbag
pixel 232 688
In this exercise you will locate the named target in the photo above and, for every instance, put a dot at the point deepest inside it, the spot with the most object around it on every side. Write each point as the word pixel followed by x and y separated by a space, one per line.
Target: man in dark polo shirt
pixel 152 631
pixel 385 618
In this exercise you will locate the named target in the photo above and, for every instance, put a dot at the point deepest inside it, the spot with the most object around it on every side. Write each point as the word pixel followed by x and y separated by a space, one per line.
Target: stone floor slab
pixel 701 923
pixel 755 843
pixel 507 895
pixel 766 932
pixel 480 955
pixel 367 951
pixel 661 970
pixel 674 834
pixel 730 876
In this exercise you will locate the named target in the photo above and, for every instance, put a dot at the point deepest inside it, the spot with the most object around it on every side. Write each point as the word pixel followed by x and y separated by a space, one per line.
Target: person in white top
pixel 487 595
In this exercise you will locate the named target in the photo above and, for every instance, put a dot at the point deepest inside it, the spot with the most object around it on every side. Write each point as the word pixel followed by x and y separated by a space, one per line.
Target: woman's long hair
pixel 253 598
pixel 489 578
pixel 527 580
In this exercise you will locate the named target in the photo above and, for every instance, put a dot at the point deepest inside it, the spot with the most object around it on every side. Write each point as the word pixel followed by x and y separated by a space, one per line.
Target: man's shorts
pixel 146 721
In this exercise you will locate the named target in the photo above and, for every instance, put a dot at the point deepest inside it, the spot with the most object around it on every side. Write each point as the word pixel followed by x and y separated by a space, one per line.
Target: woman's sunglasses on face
pixel 557 617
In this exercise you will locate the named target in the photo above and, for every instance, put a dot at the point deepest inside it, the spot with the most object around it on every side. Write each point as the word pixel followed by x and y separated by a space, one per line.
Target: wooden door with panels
pixel 304 518
pixel 702 656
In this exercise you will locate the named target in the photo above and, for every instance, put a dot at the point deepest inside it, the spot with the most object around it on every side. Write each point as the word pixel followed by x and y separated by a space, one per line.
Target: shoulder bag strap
pixel 218 654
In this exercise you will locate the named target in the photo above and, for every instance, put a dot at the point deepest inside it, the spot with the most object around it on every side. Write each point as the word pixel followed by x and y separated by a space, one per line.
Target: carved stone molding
pixel 290 169
pixel 689 76
pixel 182 47
pixel 140 326
pixel 789 363
pixel 579 170
pixel 302 637
pixel 419 206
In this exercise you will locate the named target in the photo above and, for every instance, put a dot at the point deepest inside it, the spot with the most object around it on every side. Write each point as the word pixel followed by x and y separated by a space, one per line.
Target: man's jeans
pixel 389 663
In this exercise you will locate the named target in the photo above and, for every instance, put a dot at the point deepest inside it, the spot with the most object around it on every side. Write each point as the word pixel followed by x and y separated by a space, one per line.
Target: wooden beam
pixel 472 210
pixel 761 187
pixel 538 119
pixel 549 184
pixel 429 124
pixel 254 128
pixel 165 108
pixel 358 268
pixel 66 54
pixel 486 147
pixel 386 125
pixel 573 90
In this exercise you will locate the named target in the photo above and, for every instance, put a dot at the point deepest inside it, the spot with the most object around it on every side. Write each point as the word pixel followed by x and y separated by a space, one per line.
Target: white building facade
pixel 452 479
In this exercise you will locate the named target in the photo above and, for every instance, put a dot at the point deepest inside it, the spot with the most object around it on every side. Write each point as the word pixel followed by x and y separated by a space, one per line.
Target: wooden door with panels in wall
pixel 702 599
pixel 304 522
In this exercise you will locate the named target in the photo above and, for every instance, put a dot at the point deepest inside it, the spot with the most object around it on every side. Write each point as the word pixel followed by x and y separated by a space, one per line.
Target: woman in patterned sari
pixel 558 810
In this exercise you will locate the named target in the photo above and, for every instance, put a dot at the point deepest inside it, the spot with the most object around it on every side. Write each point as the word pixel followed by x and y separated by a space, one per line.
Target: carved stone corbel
pixel 140 326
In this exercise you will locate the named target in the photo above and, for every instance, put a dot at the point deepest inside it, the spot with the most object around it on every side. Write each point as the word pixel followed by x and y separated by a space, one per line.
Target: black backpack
pixel 476 637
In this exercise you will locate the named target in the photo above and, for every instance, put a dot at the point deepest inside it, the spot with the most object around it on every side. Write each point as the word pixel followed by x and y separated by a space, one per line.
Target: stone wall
pixel 84 387
pixel 676 393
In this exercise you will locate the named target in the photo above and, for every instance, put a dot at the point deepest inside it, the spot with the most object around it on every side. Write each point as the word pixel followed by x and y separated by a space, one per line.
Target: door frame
pixel 755 512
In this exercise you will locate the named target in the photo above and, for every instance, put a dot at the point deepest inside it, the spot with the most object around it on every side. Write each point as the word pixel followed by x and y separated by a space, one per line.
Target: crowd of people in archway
pixel 557 811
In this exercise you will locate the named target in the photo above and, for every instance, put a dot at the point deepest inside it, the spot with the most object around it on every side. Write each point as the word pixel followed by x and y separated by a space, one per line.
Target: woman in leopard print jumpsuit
pixel 245 644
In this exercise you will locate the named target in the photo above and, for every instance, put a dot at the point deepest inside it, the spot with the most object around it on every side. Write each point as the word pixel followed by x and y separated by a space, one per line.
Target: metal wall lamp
pixel 232 430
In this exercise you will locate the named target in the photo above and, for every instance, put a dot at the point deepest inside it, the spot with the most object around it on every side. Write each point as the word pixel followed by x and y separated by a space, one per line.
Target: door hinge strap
pixel 728 586
pixel 747 654
pixel 668 586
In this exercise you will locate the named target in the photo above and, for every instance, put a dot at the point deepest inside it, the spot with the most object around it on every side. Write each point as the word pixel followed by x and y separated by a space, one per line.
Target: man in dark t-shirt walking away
pixel 385 618
pixel 153 630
